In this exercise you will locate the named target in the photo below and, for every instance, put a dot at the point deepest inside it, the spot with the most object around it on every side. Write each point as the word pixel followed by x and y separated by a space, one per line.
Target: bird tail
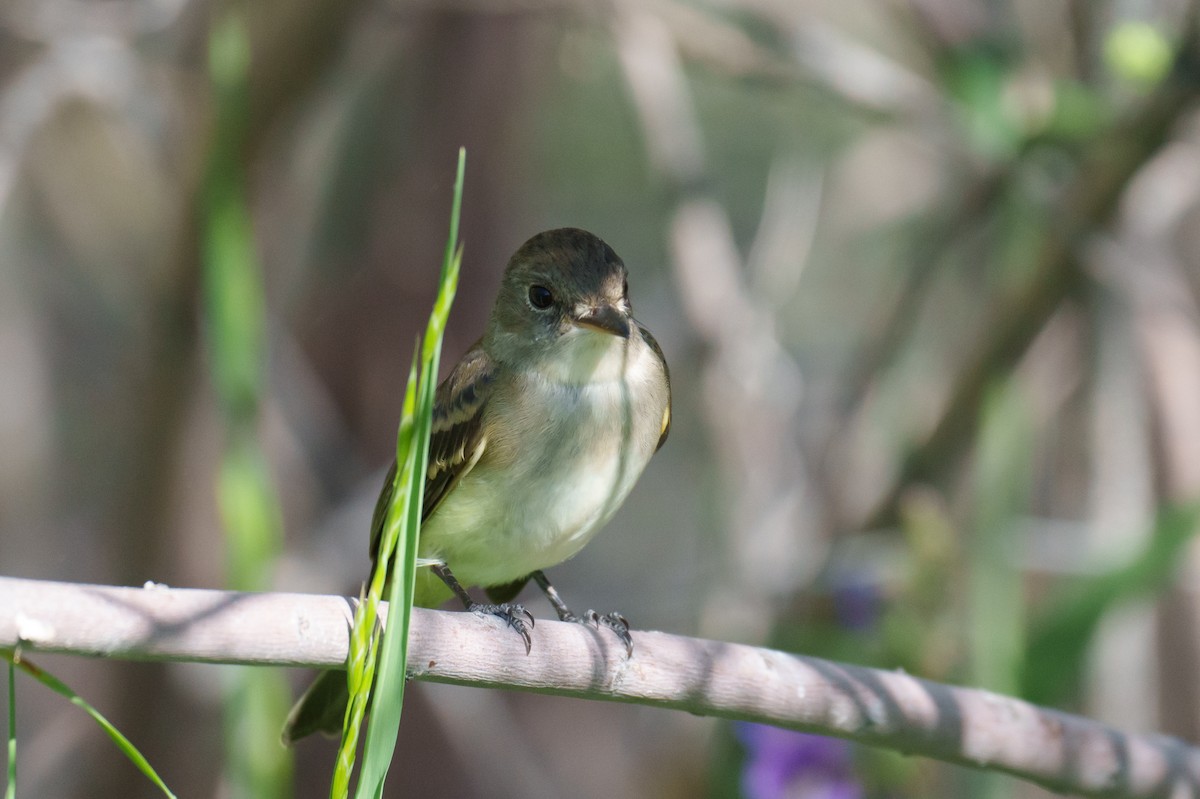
pixel 321 709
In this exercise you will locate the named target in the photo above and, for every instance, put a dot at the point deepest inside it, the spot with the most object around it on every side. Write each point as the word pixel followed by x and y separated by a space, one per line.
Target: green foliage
pixel 921 626
pixel 235 313
pixel 978 78
pixel 384 688
pixel 232 277
pixel 56 685
pixel 250 515
pixel 995 605
pixel 254 699
pixel 1002 476
pixel 1138 53
pixel 1078 112
pixel 365 635
pixel 1060 638
pixel 10 791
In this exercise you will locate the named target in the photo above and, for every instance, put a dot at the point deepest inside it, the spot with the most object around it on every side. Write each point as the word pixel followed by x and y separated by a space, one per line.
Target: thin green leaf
pixel 412 453
pixel 455 212
pixel 365 633
pixel 123 743
pixel 11 791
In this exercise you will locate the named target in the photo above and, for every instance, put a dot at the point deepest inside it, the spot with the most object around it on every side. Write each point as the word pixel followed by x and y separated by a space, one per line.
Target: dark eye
pixel 625 289
pixel 540 297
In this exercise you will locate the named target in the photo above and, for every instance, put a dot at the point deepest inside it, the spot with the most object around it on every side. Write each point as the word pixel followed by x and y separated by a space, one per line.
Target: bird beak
pixel 606 319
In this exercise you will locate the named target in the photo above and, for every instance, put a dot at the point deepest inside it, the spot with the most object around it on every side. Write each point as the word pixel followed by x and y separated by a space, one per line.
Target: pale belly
pixel 510 516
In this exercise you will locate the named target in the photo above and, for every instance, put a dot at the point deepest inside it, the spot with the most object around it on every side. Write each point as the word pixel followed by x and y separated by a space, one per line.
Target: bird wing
pixel 456 440
pixel 666 420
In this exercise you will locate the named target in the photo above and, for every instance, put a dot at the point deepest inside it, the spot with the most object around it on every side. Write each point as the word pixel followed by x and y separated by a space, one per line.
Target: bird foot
pixel 514 615
pixel 613 621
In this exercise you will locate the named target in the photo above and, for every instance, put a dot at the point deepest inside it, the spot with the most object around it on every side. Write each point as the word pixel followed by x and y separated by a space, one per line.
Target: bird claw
pixel 512 614
pixel 613 621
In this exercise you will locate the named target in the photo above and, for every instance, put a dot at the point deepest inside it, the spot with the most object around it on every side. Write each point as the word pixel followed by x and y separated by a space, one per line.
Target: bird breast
pixel 555 471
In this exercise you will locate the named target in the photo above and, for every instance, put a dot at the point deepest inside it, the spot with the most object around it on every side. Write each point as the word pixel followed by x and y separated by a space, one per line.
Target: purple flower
pixel 857 601
pixel 784 764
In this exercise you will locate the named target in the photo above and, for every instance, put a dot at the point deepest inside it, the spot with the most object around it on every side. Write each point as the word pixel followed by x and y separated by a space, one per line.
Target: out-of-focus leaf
pixel 995 609
pixel 235 317
pixel 1059 640
pixel 1079 112
pixel 977 79
pixel 1138 53
pixel 1001 481
pixel 11 791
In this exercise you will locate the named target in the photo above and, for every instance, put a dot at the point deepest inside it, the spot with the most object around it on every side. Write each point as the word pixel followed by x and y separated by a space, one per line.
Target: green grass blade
pixel 123 743
pixel 364 634
pixel 396 542
pixel 404 516
pixel 455 213
pixel 11 791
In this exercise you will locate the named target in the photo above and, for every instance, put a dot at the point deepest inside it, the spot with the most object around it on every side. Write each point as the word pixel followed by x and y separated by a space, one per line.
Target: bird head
pixel 563 304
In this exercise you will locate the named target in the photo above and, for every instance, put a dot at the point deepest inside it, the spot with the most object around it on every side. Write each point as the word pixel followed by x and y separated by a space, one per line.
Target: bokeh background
pixel 926 273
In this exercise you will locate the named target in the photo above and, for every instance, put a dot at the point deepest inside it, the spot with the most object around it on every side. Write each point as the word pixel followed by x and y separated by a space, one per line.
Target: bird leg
pixel 613 621
pixel 515 615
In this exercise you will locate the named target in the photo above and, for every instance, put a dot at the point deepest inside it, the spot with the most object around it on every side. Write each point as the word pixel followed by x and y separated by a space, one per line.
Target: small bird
pixel 538 435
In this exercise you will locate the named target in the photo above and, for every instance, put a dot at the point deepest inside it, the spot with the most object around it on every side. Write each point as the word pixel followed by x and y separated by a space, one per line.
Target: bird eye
pixel 625 289
pixel 540 297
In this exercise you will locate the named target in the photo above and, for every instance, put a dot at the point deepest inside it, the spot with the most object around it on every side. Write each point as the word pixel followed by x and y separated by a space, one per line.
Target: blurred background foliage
pixel 926 273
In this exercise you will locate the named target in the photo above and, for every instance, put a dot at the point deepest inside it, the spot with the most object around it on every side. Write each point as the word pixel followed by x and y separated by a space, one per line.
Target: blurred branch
pixel 881 708
pixel 820 55
pixel 1168 337
pixel 99 71
pixel 55 20
pixel 1105 168
pixel 897 318
pixel 817 54
pixel 752 385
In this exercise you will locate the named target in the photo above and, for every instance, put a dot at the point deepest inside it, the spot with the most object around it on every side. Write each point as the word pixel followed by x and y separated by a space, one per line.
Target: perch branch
pixel 881 708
